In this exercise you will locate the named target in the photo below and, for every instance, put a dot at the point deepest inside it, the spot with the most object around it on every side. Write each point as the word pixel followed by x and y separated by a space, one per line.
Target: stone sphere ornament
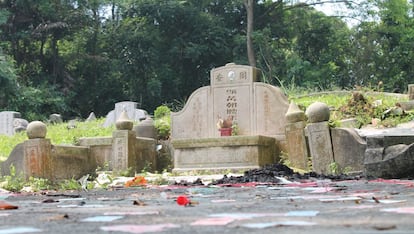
pixel 124 122
pixel 36 129
pixel 317 112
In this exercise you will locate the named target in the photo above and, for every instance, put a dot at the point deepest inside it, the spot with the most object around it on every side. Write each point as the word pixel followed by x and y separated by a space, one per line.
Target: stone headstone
pixel 349 149
pixel 19 125
pixel 320 147
pixel 257 108
pixel 411 91
pixel 55 119
pixel 131 109
pixel 7 119
pixel 91 117
pixel 123 150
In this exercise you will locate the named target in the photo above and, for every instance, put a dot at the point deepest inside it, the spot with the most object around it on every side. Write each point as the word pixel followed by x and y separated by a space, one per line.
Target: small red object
pixel 183 200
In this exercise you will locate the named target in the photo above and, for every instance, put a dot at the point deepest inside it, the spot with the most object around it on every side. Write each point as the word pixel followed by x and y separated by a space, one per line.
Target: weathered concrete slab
pixel 348 149
pixel 71 162
pixel 297 145
pixel 100 149
pixel 396 161
pixel 224 153
pixel 320 146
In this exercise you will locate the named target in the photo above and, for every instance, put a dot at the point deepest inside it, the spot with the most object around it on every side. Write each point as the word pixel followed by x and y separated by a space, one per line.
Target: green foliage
pixel 39 184
pixel 71 184
pixel 162 122
pixel 344 106
pixel 61 57
pixel 162 111
pixel 12 182
pixel 61 134
pixel 7 143
pixel 58 134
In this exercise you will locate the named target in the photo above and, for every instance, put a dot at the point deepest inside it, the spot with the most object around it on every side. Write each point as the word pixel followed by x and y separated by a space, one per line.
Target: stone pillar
pixel 411 91
pixel 123 145
pixel 320 143
pixel 295 137
pixel 37 152
pixel 37 158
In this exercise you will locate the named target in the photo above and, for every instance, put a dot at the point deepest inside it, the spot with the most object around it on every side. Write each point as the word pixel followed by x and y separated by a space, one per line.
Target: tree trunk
pixel 249 5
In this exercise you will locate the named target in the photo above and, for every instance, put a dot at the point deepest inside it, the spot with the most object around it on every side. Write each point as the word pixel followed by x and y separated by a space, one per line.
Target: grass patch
pixel 58 134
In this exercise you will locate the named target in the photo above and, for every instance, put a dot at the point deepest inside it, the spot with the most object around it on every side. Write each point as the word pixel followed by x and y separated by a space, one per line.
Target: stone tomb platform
pixel 224 153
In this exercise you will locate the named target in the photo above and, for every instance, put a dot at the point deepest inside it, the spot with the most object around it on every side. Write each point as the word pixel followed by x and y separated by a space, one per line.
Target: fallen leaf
pixel 50 200
pixel 7 206
pixel 385 227
pixel 58 217
pixel 139 203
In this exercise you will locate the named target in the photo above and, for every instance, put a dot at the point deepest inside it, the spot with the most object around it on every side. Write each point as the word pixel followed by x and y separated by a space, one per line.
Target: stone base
pixel 224 153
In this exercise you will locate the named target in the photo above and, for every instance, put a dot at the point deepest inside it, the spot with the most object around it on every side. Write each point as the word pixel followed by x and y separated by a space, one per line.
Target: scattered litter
pixel 303 213
pixel 223 201
pixel 362 207
pixel 72 199
pixel 106 218
pixel 340 199
pixel 110 199
pixel 83 181
pixel 81 206
pixel 6 206
pixel 58 217
pixel 136 181
pixel 63 195
pixel 321 189
pixel 307 197
pixel 133 213
pixel 278 224
pixel 19 230
pixel 217 221
pixel 202 191
pixel 407 183
pixel 400 210
pixel 245 215
pixel 386 201
pixel 301 185
pixel 140 228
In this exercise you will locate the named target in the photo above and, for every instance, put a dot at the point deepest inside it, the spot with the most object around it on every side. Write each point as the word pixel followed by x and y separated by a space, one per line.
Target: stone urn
pixel 294 114
pixel 318 112
pixel 36 129
pixel 124 122
pixel 146 128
